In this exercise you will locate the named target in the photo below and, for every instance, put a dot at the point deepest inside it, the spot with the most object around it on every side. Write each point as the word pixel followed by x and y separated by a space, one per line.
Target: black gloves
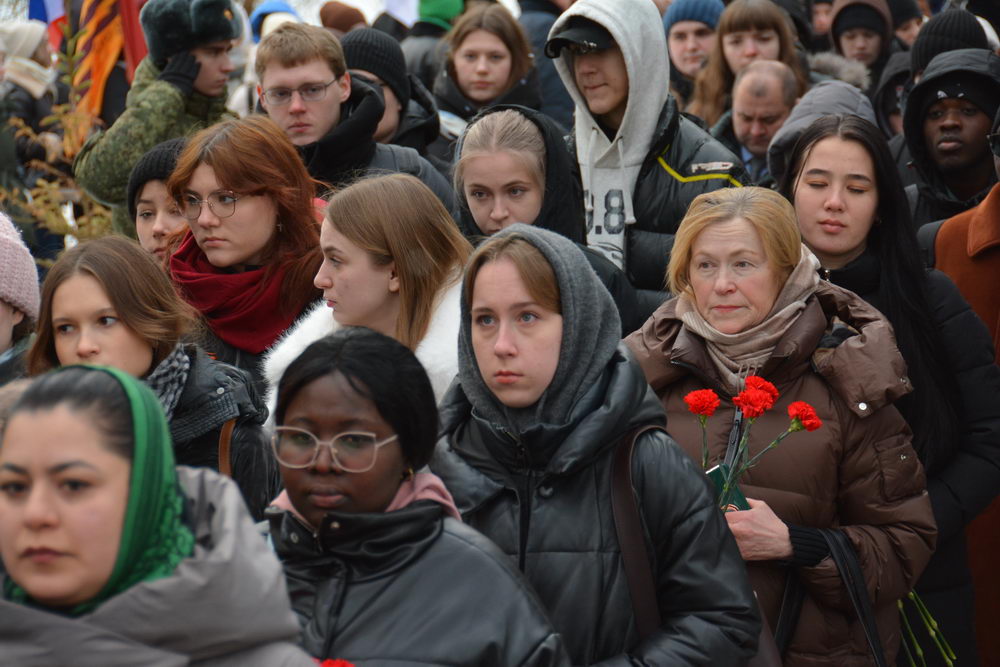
pixel 181 71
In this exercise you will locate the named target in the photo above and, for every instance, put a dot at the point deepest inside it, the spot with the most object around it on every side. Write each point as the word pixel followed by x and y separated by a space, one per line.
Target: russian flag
pixel 51 12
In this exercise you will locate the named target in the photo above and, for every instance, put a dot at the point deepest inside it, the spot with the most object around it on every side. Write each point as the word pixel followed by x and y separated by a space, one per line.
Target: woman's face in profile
pixel 734 284
pixel 63 494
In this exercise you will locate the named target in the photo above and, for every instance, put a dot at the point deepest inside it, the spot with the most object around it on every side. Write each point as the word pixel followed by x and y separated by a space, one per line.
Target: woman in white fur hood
pixel 392 262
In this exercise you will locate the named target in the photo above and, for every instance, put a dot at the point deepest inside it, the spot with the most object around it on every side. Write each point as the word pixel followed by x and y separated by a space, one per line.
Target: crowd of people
pixel 390 355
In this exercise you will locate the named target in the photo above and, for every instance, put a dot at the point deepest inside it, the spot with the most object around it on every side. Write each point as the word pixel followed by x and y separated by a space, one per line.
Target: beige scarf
pixel 31 76
pixel 737 355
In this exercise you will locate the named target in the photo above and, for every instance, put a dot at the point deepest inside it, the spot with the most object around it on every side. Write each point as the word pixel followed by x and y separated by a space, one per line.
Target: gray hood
pixel 225 605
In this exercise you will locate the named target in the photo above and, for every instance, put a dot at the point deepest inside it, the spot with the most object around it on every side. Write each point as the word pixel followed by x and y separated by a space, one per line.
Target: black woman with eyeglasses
pixel 852 213
pixel 379 567
pixel 247 258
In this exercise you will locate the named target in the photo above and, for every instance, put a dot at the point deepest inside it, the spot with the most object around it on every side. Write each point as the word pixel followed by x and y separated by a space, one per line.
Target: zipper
pixel 524 494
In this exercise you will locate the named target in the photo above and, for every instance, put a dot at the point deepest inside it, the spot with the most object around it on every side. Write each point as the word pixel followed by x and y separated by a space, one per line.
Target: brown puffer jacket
pixel 858 472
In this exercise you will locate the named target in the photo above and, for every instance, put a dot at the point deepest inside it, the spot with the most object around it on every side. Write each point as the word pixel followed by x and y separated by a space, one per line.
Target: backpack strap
pixel 926 237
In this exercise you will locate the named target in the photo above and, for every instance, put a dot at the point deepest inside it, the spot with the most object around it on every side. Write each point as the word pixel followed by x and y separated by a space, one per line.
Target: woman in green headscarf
pixel 113 556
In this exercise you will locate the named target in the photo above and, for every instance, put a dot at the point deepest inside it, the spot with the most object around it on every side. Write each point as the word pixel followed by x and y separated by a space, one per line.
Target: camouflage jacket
pixel 154 112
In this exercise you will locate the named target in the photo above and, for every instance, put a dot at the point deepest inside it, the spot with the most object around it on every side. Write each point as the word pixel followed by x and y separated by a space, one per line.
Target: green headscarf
pixel 154 538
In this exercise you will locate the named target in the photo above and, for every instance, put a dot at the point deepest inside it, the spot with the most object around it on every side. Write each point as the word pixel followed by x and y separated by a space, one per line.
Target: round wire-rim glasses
pixel 351 451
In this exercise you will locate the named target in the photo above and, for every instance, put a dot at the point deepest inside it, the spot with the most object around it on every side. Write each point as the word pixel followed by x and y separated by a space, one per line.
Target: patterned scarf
pixel 154 537
pixel 168 379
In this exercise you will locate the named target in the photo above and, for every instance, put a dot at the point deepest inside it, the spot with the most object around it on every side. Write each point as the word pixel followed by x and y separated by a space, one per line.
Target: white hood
pixel 609 167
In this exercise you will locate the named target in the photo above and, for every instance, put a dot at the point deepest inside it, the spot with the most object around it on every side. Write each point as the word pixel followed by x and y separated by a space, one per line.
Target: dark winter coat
pixel 409 587
pixel 349 150
pixel 965 476
pixel 19 103
pixel 12 362
pixel 724 133
pixel 857 472
pixel 419 125
pixel 537 18
pixel 930 198
pixel 546 502
pixel 424 51
pixel 888 92
pixel 214 394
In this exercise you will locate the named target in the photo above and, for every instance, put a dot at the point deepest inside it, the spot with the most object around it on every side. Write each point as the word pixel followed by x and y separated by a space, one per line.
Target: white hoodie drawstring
pixel 585 173
pixel 626 193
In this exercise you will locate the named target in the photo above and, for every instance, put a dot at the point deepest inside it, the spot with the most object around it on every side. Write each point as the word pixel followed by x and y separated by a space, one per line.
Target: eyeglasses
pixel 309 92
pixel 351 451
pixel 994 140
pixel 221 203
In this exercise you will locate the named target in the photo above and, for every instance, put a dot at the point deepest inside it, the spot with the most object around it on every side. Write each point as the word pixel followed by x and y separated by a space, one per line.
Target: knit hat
pixel 971 86
pixel 173 26
pixel 155 165
pixel 858 16
pixel 377 52
pixel 951 29
pixel 267 9
pixel 439 12
pixel 22 37
pixel 703 11
pixel 903 11
pixel 18 276
pixel 340 17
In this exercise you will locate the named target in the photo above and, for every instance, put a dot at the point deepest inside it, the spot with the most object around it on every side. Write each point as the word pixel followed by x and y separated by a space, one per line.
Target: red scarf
pixel 241 310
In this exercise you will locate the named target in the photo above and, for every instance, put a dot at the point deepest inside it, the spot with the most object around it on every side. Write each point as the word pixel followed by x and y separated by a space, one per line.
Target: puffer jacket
pixel 225 606
pixel 419 125
pixel 857 473
pixel 546 502
pixel 154 112
pixel 214 394
pixel 930 198
pixel 408 588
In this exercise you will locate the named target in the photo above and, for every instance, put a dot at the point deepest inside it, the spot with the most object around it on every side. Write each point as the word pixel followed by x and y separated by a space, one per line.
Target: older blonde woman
pixel 750 300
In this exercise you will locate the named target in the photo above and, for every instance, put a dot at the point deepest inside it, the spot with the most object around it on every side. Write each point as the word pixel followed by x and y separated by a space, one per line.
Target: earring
pixel 280 226
pixel 408 474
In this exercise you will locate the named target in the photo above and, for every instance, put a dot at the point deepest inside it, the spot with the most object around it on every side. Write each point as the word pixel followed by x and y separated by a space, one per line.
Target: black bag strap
pixel 788 614
pixel 631 538
pixel 926 237
pixel 846 559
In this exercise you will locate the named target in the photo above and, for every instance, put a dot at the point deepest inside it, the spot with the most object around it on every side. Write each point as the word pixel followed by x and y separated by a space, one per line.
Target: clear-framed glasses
pixel 351 451
pixel 221 203
pixel 309 92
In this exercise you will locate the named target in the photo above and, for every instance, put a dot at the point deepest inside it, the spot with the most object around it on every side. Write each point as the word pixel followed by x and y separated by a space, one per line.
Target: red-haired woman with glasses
pixel 247 259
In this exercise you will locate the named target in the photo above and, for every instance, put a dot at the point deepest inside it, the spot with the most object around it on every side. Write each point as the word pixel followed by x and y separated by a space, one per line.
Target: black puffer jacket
pixel 409 587
pixel 683 162
pixel 420 126
pixel 930 198
pixel 545 501
pixel 215 393
pixel 965 476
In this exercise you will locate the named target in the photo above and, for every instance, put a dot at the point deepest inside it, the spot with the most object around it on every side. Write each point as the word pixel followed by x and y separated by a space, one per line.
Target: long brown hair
pixel 396 218
pixel 714 83
pixel 144 298
pixel 252 156
pixel 496 20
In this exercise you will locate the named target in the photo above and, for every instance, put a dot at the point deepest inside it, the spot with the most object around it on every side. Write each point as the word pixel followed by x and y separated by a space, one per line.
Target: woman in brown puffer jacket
pixel 750 301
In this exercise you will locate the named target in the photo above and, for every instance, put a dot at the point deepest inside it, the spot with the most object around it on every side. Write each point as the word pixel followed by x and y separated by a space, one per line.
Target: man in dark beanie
pixel 951 29
pixel 946 122
pixel 179 87
pixel 862 31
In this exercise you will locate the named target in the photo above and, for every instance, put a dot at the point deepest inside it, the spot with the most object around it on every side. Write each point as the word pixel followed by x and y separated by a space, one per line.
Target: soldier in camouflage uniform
pixel 179 88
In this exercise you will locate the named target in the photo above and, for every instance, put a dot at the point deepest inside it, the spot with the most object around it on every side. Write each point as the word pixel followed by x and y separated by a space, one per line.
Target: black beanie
pixel 155 165
pixel 173 26
pixel 976 88
pixel 858 16
pixel 903 11
pixel 377 52
pixel 951 29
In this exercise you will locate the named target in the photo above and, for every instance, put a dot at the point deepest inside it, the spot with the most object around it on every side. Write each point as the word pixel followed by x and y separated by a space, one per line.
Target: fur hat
pixel 173 26
pixel 22 37
pixel 18 275
pixel 376 52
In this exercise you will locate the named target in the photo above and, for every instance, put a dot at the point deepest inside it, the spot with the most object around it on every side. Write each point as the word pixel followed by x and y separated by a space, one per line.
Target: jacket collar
pixel 350 145
pixel 984 228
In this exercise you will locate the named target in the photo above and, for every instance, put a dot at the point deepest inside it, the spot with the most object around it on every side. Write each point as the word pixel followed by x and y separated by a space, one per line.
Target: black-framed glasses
pixel 994 140
pixel 309 92
pixel 351 451
pixel 221 203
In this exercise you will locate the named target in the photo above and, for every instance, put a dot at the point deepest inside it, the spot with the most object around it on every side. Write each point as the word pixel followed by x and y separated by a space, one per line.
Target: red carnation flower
pixel 329 662
pixel 753 402
pixel 805 416
pixel 702 402
pixel 759 383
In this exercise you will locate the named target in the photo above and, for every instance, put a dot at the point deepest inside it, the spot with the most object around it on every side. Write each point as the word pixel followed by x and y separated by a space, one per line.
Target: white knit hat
pixel 18 276
pixel 22 37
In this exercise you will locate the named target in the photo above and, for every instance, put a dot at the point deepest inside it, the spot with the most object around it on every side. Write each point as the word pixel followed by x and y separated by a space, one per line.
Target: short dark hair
pixel 382 370
pixel 774 70
pixel 88 390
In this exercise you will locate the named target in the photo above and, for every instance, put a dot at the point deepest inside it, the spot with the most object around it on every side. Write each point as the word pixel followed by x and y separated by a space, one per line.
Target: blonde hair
pixel 769 213
pixel 503 131
pixel 537 274
pixel 396 218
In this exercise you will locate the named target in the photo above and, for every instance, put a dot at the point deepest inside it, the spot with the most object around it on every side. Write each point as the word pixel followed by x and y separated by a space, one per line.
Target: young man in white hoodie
pixel 641 161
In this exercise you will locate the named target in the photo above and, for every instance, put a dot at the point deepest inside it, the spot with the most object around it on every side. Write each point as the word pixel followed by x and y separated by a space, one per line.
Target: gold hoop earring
pixel 408 474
